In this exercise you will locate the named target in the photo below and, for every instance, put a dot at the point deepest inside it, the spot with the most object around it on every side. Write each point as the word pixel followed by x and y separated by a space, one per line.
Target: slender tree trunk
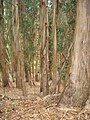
pixel 19 65
pixel 17 51
pixel 26 60
pixel 54 36
pixel 78 90
pixel 57 28
pixel 15 27
pixel 33 71
pixel 36 72
pixel 45 84
pixel 4 65
pixel 44 46
pixel 40 33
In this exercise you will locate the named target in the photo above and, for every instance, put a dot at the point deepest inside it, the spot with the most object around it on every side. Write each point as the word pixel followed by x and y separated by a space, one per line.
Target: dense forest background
pixel 23 44
pixel 46 42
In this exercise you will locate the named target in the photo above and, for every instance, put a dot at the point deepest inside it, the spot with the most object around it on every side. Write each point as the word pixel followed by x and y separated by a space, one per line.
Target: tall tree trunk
pixel 44 46
pixel 57 28
pixel 36 68
pixel 20 70
pixel 54 36
pixel 15 27
pixel 4 65
pixel 78 90
pixel 40 34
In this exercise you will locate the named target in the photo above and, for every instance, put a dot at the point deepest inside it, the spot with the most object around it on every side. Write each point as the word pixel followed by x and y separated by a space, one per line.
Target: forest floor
pixel 13 106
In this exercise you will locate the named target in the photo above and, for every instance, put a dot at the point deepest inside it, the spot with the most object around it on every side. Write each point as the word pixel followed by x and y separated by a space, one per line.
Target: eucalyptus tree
pixel 3 58
pixel 78 89
pixel 44 46
pixel 54 37
pixel 19 64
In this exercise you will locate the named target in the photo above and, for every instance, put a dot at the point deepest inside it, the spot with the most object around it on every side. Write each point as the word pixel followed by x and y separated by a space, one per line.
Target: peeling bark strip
pixel 77 93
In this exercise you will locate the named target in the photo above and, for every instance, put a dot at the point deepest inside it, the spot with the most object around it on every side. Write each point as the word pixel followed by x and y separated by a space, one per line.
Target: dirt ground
pixel 13 106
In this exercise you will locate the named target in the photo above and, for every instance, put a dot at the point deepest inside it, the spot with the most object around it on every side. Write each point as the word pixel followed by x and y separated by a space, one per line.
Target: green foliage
pixel 66 30
pixel 67 22
pixel 29 23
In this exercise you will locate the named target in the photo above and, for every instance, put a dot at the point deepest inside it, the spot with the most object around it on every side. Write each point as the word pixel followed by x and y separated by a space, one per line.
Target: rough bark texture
pixel 36 72
pixel 4 64
pixel 54 37
pixel 55 23
pixel 16 44
pixel 19 64
pixel 77 92
pixel 44 46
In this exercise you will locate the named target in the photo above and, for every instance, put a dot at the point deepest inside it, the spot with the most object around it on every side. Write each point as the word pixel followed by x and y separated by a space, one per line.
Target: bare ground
pixel 13 106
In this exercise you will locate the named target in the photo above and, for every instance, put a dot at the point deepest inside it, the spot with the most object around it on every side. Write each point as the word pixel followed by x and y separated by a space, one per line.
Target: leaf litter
pixel 14 106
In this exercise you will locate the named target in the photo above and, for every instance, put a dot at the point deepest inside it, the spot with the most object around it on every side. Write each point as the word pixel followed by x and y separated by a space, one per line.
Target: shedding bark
pixel 44 46
pixel 55 28
pixel 78 89
pixel 4 64
pixel 19 64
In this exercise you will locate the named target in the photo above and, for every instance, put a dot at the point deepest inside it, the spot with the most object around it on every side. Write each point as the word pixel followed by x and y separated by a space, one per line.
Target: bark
pixel 26 59
pixel 44 46
pixel 19 64
pixel 15 27
pixel 54 37
pixel 78 89
pixel 40 34
pixel 54 40
pixel 36 72
pixel 4 64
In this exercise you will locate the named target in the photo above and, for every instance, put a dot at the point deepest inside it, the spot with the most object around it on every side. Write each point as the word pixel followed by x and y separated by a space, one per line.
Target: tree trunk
pixel 54 37
pixel 16 44
pixel 19 64
pixel 77 92
pixel 44 46
pixel 4 65
pixel 36 71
